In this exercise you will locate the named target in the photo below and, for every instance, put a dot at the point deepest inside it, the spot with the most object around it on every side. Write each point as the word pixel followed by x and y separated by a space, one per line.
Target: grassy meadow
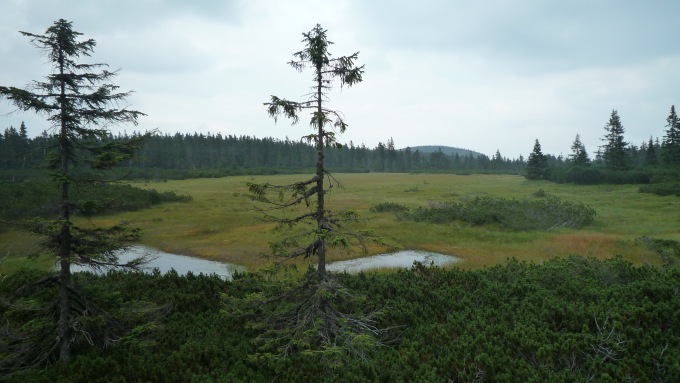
pixel 221 224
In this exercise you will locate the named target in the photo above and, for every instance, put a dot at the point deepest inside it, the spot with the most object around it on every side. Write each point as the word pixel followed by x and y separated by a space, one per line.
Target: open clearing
pixel 221 224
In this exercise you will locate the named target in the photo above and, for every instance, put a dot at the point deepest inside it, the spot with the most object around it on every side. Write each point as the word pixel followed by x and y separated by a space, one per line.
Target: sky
pixel 482 75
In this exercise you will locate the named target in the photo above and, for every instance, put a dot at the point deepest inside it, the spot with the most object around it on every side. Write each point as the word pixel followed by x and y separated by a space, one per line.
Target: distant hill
pixel 448 150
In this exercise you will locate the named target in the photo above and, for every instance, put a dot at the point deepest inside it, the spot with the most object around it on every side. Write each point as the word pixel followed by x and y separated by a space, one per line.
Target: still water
pixel 399 260
pixel 183 264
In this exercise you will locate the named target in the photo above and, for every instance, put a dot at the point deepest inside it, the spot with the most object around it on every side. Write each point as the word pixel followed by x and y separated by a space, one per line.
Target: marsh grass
pixel 220 224
pixel 14 248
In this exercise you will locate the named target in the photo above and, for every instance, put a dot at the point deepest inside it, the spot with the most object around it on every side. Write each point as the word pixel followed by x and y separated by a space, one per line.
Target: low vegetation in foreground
pixel 566 320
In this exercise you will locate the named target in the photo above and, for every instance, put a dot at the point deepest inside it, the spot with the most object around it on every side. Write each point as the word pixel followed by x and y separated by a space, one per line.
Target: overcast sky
pixel 480 75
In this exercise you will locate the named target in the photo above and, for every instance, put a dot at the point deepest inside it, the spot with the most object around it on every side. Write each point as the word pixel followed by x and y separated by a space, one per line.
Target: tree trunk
pixel 320 206
pixel 65 332
pixel 64 326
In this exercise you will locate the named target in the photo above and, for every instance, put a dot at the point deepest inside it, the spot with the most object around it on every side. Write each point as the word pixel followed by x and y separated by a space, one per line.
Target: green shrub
pixel 668 250
pixel 566 320
pixel 540 193
pixel 662 189
pixel 591 175
pixel 40 198
pixel 584 176
pixel 627 177
pixel 392 207
pixel 544 214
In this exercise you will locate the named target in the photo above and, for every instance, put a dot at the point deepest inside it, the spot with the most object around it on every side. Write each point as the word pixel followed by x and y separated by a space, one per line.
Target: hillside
pixel 448 150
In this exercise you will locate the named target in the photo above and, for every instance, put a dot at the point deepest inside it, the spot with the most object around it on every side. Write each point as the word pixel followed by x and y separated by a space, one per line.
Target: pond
pixel 401 259
pixel 164 262
pixel 182 264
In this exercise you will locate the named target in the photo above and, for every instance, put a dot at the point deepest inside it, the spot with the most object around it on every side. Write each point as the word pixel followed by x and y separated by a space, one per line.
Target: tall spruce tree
pixel 579 156
pixel 614 151
pixel 537 164
pixel 670 147
pixel 318 317
pixel 10 147
pixel 325 123
pixel 81 103
pixel 651 158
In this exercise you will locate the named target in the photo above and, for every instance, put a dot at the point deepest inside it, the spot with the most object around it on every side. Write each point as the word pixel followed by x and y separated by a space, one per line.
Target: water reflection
pixel 182 264
pixel 400 259
pixel 164 262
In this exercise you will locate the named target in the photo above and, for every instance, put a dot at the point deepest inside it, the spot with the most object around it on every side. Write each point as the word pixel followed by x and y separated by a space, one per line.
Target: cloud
pixel 535 35
pixel 479 75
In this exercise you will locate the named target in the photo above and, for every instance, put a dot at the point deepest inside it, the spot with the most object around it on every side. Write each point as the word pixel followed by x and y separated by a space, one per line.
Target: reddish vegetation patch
pixel 591 244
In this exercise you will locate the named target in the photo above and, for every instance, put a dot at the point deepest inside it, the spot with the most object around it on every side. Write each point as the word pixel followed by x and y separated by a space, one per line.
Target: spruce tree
pixel 317 317
pixel 80 103
pixel 614 150
pixel 326 123
pixel 537 164
pixel 670 148
pixel 579 156
pixel 10 148
pixel 651 158
pixel 497 160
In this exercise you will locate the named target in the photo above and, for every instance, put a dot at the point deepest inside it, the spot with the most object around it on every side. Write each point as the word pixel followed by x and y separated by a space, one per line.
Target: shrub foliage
pixel 566 320
pixel 540 214
pixel 392 207
pixel 36 198
pixel 662 189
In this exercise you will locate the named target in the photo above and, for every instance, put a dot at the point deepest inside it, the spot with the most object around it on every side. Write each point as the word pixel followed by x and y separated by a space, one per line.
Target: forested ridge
pixel 199 155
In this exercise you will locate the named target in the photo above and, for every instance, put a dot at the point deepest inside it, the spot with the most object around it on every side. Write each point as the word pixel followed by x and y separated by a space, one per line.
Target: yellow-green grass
pixel 15 246
pixel 221 224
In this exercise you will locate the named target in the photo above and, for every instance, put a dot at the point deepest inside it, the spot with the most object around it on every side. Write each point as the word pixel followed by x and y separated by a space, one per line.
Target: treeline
pixel 616 161
pixel 200 155
pixel 567 320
